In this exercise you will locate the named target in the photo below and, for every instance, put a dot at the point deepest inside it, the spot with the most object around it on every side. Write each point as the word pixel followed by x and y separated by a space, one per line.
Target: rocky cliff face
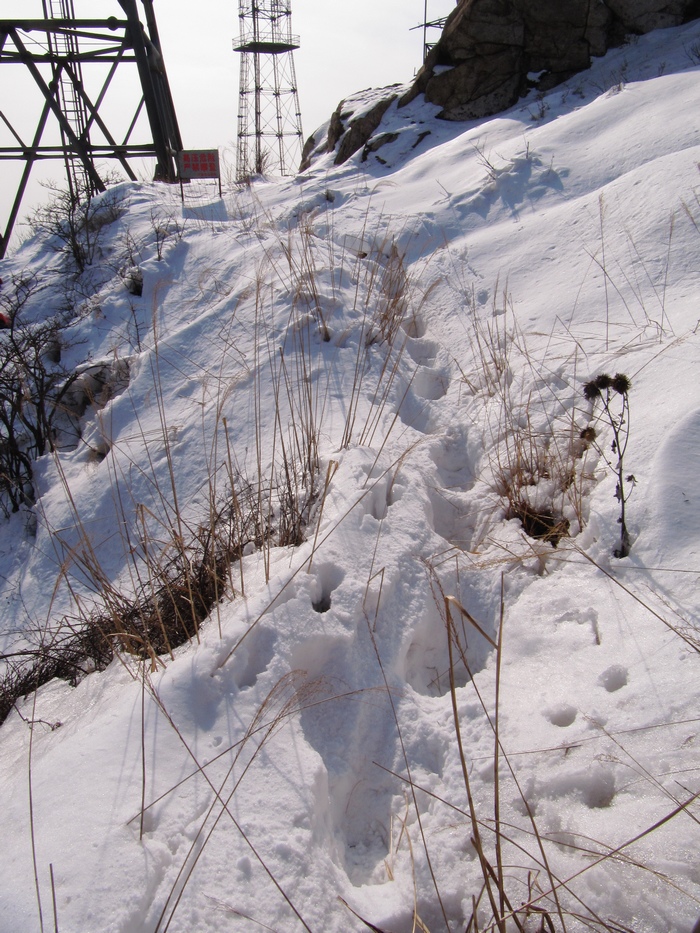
pixel 493 51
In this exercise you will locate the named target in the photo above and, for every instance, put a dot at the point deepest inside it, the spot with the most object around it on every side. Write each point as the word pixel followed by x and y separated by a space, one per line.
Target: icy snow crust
pixel 303 754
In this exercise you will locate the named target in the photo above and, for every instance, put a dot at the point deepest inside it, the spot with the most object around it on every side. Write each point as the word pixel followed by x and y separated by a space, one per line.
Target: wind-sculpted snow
pixel 421 670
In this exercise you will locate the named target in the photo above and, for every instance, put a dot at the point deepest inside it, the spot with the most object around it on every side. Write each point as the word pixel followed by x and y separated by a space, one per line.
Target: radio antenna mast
pixel 426 25
pixel 269 119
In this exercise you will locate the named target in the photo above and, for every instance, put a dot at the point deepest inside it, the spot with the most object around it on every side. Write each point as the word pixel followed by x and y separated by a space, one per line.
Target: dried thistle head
pixel 595 387
pixel 588 435
pixel 591 390
pixel 621 384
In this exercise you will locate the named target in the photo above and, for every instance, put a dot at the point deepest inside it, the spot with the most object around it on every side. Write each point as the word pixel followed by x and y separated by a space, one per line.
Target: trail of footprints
pixel 357 732
pixel 453 451
pixel 593 783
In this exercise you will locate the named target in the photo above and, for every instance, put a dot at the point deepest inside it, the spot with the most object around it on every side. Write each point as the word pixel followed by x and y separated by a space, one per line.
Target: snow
pixel 297 765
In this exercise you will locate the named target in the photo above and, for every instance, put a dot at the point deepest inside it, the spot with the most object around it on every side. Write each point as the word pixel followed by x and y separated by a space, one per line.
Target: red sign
pixel 198 163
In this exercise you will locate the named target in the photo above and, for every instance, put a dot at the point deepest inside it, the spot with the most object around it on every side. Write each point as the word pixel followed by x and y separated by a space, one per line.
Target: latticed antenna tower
pixel 269 118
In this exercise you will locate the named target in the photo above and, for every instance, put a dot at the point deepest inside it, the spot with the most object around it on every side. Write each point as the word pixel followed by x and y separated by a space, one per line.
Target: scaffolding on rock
pixel 429 26
pixel 84 111
pixel 269 118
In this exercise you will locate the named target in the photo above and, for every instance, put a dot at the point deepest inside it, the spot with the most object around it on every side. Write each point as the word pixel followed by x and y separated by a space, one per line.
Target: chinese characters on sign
pixel 198 163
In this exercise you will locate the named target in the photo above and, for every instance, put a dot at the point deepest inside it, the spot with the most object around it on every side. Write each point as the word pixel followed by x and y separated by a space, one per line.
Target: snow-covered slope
pixel 420 715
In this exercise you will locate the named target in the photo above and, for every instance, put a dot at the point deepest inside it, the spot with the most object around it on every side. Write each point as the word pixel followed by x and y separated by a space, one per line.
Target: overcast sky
pixel 345 47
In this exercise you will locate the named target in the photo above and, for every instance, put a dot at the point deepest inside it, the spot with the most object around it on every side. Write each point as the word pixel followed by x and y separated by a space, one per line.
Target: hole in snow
pixel 328 578
pixel 414 327
pixel 614 678
pixel 598 789
pixel 427 660
pixel 421 350
pixel 253 656
pixel 98 452
pixel 430 384
pixel 323 604
pixel 561 715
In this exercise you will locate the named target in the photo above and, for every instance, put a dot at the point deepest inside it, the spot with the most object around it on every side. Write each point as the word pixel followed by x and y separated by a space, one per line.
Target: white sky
pixel 345 47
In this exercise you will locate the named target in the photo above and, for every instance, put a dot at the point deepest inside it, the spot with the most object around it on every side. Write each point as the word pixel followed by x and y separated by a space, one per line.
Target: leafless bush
pixel 164 227
pixel 75 220
pixel 33 384
pixel 69 656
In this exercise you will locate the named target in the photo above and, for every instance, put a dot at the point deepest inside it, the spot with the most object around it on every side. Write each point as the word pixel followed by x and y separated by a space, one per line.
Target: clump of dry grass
pixel 179 569
pixel 179 587
pixel 538 462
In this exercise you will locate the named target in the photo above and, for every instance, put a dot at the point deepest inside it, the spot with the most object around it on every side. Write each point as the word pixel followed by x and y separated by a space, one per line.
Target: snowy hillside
pixel 340 518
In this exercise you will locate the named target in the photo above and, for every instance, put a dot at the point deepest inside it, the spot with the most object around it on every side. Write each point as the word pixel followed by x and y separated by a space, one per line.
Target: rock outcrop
pixel 348 130
pixel 493 51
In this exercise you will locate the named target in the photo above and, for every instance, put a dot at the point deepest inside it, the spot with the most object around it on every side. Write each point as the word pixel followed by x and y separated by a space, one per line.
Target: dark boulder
pixel 492 51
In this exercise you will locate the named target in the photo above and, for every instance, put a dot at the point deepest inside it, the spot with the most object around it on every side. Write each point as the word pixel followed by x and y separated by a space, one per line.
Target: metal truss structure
pixel 76 70
pixel 427 25
pixel 269 119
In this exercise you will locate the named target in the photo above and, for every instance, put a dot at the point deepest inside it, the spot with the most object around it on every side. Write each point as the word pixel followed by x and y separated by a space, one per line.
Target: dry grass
pixel 181 567
pixel 539 464
pixel 69 655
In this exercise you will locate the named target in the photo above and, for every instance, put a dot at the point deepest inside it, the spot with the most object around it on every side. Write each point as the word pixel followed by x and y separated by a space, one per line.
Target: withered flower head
pixel 591 390
pixel 595 387
pixel 621 384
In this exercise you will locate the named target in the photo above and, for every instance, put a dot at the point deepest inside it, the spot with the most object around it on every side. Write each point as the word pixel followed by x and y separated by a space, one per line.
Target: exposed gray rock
pixel 644 15
pixel 489 47
pixel 482 84
pixel 348 130
pixel 489 52
pixel 361 128
pixel 375 144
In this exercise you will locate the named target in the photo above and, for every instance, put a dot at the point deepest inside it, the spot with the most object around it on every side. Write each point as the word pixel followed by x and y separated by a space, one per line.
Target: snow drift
pixel 405 705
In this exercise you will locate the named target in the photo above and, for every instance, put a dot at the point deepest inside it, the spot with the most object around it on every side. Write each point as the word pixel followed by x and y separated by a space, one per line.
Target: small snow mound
pixel 674 492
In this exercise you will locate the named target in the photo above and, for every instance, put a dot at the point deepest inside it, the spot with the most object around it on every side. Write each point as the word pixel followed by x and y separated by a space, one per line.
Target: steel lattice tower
pixel 269 118
pixel 85 114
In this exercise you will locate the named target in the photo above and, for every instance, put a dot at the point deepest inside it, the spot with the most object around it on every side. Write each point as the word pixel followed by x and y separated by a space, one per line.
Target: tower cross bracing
pixel 429 40
pixel 86 107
